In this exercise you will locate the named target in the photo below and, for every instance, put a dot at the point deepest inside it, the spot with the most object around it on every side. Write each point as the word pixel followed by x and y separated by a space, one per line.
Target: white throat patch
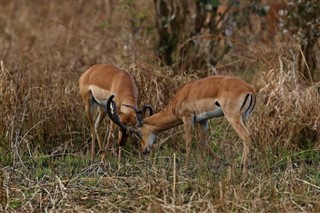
pixel 152 139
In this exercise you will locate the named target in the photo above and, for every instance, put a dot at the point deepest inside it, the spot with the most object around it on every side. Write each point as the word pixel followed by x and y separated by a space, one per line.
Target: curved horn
pixel 112 113
pixel 147 107
pixel 139 115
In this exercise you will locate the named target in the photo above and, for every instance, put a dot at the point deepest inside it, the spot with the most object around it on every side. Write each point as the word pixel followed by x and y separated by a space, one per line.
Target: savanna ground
pixel 44 135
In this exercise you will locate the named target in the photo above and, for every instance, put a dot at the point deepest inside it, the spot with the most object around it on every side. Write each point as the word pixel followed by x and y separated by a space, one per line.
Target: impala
pixel 196 102
pixel 95 86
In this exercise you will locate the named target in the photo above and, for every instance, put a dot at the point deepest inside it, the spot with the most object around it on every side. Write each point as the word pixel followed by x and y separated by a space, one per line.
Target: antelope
pixel 196 102
pixel 95 86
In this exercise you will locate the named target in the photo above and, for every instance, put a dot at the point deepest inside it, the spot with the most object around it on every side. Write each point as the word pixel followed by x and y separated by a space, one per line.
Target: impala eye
pixel 138 134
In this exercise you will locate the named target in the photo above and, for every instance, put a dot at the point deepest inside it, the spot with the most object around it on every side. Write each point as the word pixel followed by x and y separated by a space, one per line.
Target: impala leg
pixel 188 129
pixel 101 115
pixel 88 111
pixel 110 132
pixel 123 136
pixel 238 125
pixel 203 136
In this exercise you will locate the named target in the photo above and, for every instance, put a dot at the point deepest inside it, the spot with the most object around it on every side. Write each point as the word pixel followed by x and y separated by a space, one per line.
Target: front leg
pixel 89 111
pixel 203 136
pixel 122 139
pixel 188 126
pixel 100 116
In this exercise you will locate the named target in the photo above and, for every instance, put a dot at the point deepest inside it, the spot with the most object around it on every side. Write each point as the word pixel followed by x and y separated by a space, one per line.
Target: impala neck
pixel 162 121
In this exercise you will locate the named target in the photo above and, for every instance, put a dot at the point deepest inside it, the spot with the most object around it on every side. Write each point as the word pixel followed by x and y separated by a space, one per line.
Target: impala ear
pixel 146 108
pixel 139 119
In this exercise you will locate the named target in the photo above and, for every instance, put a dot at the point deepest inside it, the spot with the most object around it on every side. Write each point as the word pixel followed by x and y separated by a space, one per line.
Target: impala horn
pixel 113 114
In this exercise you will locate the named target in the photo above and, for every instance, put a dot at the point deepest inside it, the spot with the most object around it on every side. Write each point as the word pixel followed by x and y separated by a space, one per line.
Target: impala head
pixel 146 136
pixel 147 139
pixel 133 118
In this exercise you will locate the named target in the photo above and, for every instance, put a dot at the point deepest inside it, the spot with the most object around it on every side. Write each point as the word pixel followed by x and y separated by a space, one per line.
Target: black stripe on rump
pixel 245 101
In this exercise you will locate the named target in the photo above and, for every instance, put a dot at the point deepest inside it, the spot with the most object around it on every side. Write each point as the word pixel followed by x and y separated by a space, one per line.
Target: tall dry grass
pixel 290 112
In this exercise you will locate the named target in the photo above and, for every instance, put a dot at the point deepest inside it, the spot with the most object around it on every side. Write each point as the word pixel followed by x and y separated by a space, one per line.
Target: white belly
pixel 217 112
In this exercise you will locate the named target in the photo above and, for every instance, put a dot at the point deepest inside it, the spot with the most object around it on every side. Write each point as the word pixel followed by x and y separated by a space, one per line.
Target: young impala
pixel 196 102
pixel 95 86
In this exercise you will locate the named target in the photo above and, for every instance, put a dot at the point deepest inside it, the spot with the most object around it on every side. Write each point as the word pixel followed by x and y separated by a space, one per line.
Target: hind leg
pixel 239 127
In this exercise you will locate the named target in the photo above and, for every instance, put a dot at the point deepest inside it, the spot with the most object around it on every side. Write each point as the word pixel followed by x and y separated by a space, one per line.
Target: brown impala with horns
pixel 95 87
pixel 196 102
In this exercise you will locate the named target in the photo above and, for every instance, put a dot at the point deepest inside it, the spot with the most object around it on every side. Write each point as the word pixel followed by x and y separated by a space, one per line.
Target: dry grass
pixel 44 135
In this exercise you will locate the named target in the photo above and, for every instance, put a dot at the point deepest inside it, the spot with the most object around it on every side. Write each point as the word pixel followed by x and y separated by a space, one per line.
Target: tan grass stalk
pixel 174 178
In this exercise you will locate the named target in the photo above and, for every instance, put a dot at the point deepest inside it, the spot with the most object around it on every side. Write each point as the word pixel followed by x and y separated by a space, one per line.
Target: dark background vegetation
pixel 44 137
